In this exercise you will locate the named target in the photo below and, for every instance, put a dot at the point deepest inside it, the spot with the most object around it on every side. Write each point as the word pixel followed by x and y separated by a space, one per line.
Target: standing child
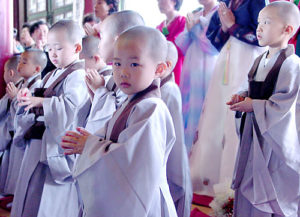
pixel 232 31
pixel 7 111
pixel 137 141
pixel 107 97
pixel 200 57
pixel 45 186
pixel 267 172
pixel 172 27
pixel 178 171
pixel 94 118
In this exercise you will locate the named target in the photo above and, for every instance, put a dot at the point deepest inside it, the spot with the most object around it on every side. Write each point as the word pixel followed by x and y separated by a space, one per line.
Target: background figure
pixel 198 65
pixel 172 27
pixel 25 38
pixel 102 8
pixel 232 30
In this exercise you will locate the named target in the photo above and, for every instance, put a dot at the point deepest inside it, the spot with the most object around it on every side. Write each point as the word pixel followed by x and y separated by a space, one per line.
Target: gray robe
pixel 178 172
pixel 45 185
pixel 129 179
pixel 269 185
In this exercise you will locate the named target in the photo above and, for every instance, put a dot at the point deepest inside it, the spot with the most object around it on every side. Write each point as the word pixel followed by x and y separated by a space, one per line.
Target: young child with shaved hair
pixel 107 97
pixel 45 185
pixel 30 66
pixel 267 172
pixel 178 172
pixel 7 111
pixel 129 159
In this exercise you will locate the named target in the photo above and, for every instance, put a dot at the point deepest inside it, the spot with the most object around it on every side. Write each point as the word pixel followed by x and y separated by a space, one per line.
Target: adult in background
pixel 232 30
pixel 172 27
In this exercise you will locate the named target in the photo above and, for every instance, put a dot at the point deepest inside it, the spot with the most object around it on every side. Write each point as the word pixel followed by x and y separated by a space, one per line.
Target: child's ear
pixel 78 48
pixel 289 29
pixel 160 69
pixel 11 73
pixel 96 58
pixel 38 68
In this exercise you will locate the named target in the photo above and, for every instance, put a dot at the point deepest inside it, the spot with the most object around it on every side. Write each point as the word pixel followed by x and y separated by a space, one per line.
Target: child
pixel 137 141
pixel 267 172
pixel 232 31
pixel 45 186
pixel 7 110
pixel 172 27
pixel 178 172
pixel 94 118
pixel 107 97
pixel 31 64
pixel 200 58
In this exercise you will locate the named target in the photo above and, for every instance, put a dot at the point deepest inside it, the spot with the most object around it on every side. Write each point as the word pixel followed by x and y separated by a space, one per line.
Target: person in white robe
pixel 129 160
pixel 267 172
pixel 45 186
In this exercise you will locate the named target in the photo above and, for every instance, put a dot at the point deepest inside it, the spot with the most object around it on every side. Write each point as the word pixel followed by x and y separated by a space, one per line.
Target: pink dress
pixel 174 29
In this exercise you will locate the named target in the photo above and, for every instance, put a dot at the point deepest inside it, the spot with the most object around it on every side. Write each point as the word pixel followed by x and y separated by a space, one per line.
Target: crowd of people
pixel 113 118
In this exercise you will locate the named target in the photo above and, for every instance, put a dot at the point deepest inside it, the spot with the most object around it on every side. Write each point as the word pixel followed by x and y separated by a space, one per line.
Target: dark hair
pixel 36 25
pixel 88 18
pixel 26 25
pixel 178 4
pixel 115 6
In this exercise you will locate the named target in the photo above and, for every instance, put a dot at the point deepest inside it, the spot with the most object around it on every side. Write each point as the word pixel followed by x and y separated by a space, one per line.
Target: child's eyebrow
pixel 134 58
pixel 116 58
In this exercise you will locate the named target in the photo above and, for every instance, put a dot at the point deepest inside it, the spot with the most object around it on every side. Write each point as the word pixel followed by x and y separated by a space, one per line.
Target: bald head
pixel 12 63
pixel 172 55
pixel 153 40
pixel 287 12
pixel 73 32
pixel 90 46
pixel 119 22
pixel 38 57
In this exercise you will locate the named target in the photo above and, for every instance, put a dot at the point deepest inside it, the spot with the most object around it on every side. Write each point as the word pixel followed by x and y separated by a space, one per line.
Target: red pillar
pixel 6 37
pixel 88 6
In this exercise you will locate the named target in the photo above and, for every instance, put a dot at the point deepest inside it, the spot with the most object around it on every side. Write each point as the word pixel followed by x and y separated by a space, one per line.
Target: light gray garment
pixel 178 171
pixel 271 180
pixel 131 175
pixel 54 182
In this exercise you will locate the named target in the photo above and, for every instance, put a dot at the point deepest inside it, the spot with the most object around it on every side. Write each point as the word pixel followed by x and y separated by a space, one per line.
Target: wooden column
pixel 6 37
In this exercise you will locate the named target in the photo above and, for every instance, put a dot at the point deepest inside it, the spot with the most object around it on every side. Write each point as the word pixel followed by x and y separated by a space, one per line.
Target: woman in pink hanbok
pixel 172 27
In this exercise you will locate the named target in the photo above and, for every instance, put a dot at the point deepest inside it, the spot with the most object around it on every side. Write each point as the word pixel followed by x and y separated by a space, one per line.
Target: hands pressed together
pixel 74 142
pixel 239 103
pixel 25 98
pixel 11 90
pixel 93 80
pixel 227 18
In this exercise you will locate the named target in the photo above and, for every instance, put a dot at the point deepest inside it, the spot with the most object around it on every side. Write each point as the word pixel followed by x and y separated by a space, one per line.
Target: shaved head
pixel 119 22
pixel 172 55
pixel 90 46
pixel 37 57
pixel 12 63
pixel 153 40
pixel 73 32
pixel 288 13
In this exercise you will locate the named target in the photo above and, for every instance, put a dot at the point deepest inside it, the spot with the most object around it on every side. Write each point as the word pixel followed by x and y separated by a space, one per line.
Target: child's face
pixel 106 44
pixel 26 67
pixel 270 30
pixel 101 9
pixel 134 69
pixel 61 51
pixel 166 6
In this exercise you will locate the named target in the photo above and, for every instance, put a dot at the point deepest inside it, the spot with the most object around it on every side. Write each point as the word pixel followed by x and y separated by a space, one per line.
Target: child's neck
pixel 28 78
pixel 101 67
pixel 273 50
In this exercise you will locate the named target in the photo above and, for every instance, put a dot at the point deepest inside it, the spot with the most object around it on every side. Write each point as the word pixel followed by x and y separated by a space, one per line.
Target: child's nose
pixel 124 73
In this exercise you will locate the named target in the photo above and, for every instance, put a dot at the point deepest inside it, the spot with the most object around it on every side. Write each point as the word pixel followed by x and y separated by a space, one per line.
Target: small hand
pixel 90 30
pixel 227 18
pixel 11 90
pixel 74 142
pixel 235 99
pixel 244 106
pixel 22 93
pixel 94 80
pixel 31 102
pixel 192 20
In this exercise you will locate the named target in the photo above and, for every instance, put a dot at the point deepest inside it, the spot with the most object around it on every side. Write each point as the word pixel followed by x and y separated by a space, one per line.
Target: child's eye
pixel 60 48
pixel 117 64
pixel 134 64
